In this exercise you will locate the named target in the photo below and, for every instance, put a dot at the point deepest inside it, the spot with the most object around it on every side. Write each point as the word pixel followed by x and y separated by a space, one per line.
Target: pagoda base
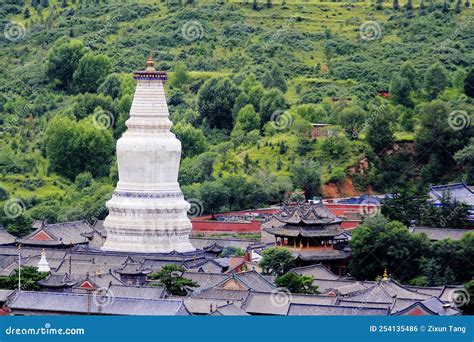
pixel 147 247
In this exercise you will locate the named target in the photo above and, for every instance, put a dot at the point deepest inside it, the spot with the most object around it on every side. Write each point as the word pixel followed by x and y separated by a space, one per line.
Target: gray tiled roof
pixel 229 310
pixel 201 243
pixel 151 292
pixel 73 303
pixel 205 280
pixel 386 292
pixel 458 191
pixel 264 303
pixel 346 286
pixel 255 281
pixel 317 271
pixel 61 233
pixel 202 306
pixel 5 237
pixel 4 294
pixel 434 305
pixel 334 310
pixel 216 293
pixel 436 234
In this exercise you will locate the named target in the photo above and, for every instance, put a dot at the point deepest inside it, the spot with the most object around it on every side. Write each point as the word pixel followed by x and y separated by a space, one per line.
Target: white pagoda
pixel 147 211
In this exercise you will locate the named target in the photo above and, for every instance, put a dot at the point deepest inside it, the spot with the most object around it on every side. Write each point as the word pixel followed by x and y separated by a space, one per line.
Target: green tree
pixel 214 196
pixel 352 118
pixel 91 72
pixel 193 139
pixel 380 134
pixel 378 244
pixel 276 261
pixel 232 251
pixel 247 120
pixel 73 147
pixel 306 175
pixel 63 60
pixel 436 80
pixel 296 283
pixel 171 277
pixel 406 204
pixel 434 130
pixel 216 99
pixel 396 5
pixel 271 102
pixel 29 279
pixel 111 86
pixel 466 158
pixel 469 84
pixel 180 76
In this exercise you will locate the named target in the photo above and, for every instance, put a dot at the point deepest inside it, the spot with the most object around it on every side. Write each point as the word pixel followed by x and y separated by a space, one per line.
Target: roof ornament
pixel 385 275
pixel 43 265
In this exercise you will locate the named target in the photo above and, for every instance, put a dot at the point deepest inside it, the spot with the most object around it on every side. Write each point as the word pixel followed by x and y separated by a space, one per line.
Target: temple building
pixel 312 234
pixel 147 212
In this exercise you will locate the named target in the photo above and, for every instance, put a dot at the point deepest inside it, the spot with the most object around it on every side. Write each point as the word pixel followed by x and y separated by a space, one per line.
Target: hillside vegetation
pixel 246 79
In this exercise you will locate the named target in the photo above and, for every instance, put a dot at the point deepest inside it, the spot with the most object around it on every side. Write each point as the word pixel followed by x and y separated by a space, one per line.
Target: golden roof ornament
pixel 385 275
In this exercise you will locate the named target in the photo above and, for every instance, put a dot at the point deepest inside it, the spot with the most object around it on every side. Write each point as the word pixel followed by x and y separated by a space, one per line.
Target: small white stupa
pixel 43 265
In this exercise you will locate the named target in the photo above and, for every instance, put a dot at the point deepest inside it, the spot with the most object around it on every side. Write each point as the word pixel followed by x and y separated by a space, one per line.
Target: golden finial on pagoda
pixel 150 63
pixel 385 275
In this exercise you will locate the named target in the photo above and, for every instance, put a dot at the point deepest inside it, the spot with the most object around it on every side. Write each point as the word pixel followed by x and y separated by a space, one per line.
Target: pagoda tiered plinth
pixel 147 211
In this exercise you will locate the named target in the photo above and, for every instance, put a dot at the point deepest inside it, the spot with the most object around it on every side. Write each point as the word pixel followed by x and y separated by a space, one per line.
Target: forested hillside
pixel 394 81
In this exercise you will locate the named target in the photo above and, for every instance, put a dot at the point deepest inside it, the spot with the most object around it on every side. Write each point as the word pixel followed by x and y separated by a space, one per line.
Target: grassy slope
pixel 341 18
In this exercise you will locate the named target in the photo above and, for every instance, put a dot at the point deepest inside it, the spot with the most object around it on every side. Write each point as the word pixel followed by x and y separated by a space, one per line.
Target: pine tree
pixel 422 8
pixel 45 3
pixel 457 7
pixel 431 7
pixel 445 7
pixel 396 5
pixel 409 6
